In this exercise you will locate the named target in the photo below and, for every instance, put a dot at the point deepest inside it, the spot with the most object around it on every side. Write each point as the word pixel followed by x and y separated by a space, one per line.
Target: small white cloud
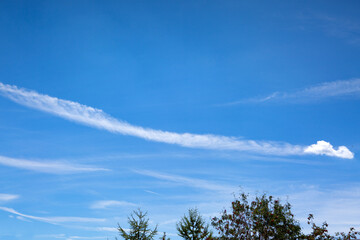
pixel 47 167
pixel 111 203
pixel 8 197
pixel 151 192
pixel 107 229
pixel 51 236
pixel 325 148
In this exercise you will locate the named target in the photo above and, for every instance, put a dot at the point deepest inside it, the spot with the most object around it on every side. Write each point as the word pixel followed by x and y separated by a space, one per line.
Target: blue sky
pixel 106 107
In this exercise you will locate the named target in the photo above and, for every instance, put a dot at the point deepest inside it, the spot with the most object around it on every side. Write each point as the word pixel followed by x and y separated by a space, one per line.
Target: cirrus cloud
pixel 111 203
pixel 47 167
pixel 8 197
pixel 53 220
pixel 318 92
pixel 97 118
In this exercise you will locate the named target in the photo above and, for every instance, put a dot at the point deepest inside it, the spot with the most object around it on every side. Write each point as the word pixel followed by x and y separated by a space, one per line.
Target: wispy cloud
pixel 340 27
pixel 192 182
pixel 107 229
pixel 22 219
pixel 97 118
pixel 310 94
pixel 47 167
pixel 8 197
pixel 337 205
pixel 61 235
pixel 111 203
pixel 81 237
pixel 64 236
pixel 54 220
pixel 151 192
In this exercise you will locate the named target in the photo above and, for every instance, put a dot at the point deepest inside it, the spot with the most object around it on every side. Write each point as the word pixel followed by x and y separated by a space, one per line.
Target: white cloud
pixel 325 148
pixel 97 118
pixel 47 167
pixel 338 206
pixel 310 94
pixel 8 197
pixel 192 182
pixel 107 229
pixel 151 192
pixel 171 221
pixel 51 236
pixel 23 219
pixel 80 237
pixel 332 89
pixel 53 220
pixel 111 203
pixel 63 236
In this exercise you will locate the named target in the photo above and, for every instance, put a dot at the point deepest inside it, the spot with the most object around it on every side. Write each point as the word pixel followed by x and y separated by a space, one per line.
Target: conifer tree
pixel 139 227
pixel 193 227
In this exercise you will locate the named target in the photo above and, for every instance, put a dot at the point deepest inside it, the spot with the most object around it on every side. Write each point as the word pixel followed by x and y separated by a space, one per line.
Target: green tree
pixel 193 226
pixel 262 219
pixel 139 227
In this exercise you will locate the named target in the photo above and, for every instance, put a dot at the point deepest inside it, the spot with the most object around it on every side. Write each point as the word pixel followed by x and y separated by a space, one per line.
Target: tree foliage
pixel 263 218
pixel 193 226
pixel 139 227
pixel 164 237
pixel 322 233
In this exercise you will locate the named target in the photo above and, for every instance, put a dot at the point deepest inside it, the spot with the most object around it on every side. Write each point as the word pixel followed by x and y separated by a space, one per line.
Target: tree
pixel 322 233
pixel 164 237
pixel 262 219
pixel 193 226
pixel 318 232
pixel 139 227
pixel 351 234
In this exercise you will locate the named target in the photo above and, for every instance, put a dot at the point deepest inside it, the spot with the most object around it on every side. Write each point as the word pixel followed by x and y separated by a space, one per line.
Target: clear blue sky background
pixel 273 71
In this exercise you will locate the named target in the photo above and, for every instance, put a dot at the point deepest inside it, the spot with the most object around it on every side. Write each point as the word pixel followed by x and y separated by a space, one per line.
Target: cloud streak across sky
pixel 7 197
pixel 97 118
pixel 53 220
pixel 110 204
pixel 64 236
pixel 314 93
pixel 47 167
pixel 192 182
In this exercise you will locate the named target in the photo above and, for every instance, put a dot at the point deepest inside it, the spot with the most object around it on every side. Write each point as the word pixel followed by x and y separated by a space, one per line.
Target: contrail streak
pixel 97 118
pixel 326 90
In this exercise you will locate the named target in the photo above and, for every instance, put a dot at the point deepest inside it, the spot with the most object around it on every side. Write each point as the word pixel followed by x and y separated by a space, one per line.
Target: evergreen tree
pixel 193 226
pixel 139 227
